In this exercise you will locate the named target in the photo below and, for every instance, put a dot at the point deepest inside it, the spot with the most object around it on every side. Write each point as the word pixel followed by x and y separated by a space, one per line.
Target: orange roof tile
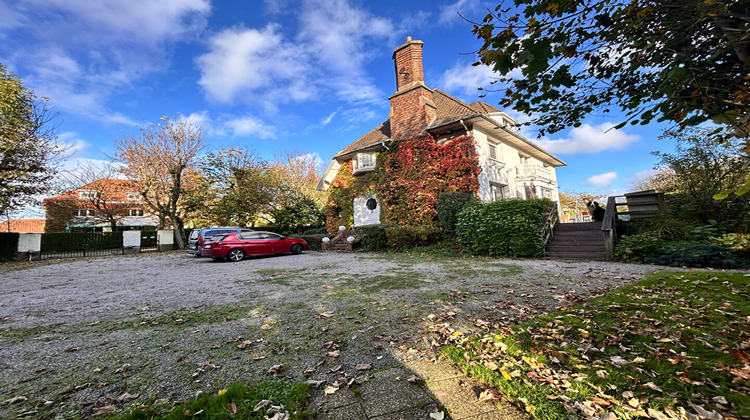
pixel 23 225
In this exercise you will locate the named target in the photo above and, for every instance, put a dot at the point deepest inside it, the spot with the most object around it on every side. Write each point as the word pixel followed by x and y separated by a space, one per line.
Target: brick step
pixel 564 227
pixel 592 256
pixel 575 248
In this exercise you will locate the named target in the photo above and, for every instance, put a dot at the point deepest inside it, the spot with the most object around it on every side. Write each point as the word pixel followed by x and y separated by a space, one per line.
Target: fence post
pixel 131 241
pixel 29 247
pixel 165 239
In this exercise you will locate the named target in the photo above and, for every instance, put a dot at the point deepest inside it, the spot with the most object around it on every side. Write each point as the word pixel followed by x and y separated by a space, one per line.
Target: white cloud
pixel 601 180
pixel 590 139
pixel 79 53
pixel 242 61
pixel 324 122
pixel 250 126
pixel 327 56
pixel 464 79
pixel 449 12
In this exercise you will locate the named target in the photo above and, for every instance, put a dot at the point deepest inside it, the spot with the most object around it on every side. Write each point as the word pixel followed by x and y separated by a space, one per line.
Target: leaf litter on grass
pixel 674 346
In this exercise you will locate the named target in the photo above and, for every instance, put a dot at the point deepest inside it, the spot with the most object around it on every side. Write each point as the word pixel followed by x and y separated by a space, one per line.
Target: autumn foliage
pixel 407 181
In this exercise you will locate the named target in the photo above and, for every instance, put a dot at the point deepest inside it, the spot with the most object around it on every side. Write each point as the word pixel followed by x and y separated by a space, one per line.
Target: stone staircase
pixel 577 241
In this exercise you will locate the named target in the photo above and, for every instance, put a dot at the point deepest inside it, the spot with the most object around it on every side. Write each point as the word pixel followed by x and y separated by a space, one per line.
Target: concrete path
pixel 388 395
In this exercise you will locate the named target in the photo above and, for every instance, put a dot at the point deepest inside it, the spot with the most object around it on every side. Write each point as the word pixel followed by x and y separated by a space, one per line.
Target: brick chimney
pixel 412 109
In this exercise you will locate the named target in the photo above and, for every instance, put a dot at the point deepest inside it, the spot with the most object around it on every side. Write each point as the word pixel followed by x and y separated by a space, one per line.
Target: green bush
pixel 404 237
pixel 314 242
pixel 696 254
pixel 372 237
pixel 316 231
pixel 638 248
pixel 449 204
pixel 8 246
pixel 502 228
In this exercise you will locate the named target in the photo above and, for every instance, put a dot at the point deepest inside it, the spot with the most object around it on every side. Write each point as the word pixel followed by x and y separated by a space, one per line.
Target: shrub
pixel 448 206
pixel 372 237
pixel 314 242
pixel 404 237
pixel 502 228
pixel 695 254
pixel 316 231
pixel 8 246
pixel 638 248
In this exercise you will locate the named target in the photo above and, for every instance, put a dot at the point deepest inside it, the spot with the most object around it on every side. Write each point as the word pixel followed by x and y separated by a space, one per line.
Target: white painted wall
pixel 363 215
pixel 29 242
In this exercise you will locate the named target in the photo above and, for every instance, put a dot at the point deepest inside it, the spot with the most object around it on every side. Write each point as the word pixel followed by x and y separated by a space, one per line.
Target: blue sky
pixel 307 75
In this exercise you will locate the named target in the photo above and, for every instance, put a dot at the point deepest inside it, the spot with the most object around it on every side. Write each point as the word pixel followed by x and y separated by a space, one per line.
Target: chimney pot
pixel 408 39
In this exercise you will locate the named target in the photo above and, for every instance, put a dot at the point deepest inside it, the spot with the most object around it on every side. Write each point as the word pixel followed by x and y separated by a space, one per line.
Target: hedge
pixel 449 204
pixel 404 237
pixel 372 237
pixel 314 242
pixel 79 241
pixel 502 228
pixel 8 246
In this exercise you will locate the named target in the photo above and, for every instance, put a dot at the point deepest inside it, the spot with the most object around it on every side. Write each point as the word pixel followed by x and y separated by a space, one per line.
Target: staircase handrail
pixel 609 226
pixel 548 225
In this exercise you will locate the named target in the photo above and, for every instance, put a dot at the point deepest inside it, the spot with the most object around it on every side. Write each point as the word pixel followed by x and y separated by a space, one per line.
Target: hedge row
pixel 386 237
pixel 502 228
pixel 8 246
pixel 650 248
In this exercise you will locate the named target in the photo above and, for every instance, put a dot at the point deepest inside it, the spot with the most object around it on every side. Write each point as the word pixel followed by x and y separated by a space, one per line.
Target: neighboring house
pixel 106 204
pixel 511 165
pixel 22 225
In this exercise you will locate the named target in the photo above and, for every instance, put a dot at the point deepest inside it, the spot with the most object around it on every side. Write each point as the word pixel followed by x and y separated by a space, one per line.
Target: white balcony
pixel 530 171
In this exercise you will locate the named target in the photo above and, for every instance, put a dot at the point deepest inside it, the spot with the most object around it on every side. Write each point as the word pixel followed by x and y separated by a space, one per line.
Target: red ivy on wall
pixel 407 181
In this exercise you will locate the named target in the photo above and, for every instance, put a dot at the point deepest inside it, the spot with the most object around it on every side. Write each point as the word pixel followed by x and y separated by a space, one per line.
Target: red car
pixel 235 246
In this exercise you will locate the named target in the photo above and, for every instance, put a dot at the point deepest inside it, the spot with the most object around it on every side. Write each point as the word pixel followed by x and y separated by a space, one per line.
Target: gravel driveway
pixel 76 335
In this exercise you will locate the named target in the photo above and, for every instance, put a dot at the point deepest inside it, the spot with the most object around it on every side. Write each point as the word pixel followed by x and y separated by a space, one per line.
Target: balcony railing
pixel 533 171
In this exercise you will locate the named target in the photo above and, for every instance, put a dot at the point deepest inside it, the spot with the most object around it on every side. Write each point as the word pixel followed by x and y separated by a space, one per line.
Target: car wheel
pixel 296 249
pixel 198 255
pixel 236 255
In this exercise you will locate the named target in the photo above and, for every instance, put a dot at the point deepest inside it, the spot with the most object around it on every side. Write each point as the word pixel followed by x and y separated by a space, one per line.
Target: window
pixel 498 192
pixel 132 196
pixel 84 213
pixel 135 212
pixel 364 162
pixel 87 194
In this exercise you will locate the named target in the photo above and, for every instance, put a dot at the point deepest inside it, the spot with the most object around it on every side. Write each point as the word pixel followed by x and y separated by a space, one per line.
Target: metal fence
pixel 149 241
pixel 81 244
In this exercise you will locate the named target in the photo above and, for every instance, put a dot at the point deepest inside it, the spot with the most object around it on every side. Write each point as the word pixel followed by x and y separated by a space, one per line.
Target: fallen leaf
pixel 71 349
pixel 489 394
pixel 330 389
pixel 126 397
pixel 17 398
pixel 261 405
pixel 740 356
pixel 335 354
pixel 651 385
pixel 325 315
pixel 232 407
pixel 363 366
pixel 656 414
pixel 276 368
pixel 437 416
pixel 104 410
pixel 413 379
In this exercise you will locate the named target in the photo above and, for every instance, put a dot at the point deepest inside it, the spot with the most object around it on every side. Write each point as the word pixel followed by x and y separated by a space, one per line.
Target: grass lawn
pixel 670 346
pixel 240 400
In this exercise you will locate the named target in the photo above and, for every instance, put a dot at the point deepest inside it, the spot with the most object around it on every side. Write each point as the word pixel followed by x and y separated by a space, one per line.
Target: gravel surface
pixel 76 335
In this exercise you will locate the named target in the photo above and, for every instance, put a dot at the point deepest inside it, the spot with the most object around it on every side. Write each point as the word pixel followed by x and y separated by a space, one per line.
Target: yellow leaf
pixel 222 392
pixel 506 376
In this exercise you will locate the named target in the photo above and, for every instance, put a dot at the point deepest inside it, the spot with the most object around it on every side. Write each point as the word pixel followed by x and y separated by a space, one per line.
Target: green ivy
pixel 507 228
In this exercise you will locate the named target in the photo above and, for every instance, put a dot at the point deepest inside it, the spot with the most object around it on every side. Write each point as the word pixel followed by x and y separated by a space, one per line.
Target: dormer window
pixel 364 162
pixel 87 194
pixel 132 196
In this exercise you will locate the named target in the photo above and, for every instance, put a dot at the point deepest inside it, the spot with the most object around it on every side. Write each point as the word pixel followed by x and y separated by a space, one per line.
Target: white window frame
pixel 132 196
pixel 138 212
pixel 87 194
pixel 85 213
pixel 494 188
pixel 369 158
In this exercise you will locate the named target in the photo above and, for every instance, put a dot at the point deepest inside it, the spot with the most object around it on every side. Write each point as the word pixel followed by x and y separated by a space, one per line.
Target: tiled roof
pixel 114 189
pixel 23 225
pixel 379 134
pixel 449 109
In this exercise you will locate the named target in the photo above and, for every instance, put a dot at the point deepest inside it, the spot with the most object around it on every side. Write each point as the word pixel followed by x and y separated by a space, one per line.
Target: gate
pixel 149 241
pixel 80 244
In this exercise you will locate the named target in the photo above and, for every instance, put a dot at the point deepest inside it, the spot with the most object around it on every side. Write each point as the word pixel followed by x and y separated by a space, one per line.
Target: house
pixel 105 205
pixel 511 165
pixel 22 225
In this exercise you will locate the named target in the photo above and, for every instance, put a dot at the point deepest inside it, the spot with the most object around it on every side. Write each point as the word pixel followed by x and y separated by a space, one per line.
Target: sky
pixel 274 76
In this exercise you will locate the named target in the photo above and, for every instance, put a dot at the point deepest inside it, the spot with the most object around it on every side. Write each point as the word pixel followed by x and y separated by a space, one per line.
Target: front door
pixel 366 210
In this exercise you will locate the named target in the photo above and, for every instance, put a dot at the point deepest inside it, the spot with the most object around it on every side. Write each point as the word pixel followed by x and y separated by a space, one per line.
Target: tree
pixel 243 185
pixel 29 150
pixel 698 169
pixel 680 61
pixel 157 159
